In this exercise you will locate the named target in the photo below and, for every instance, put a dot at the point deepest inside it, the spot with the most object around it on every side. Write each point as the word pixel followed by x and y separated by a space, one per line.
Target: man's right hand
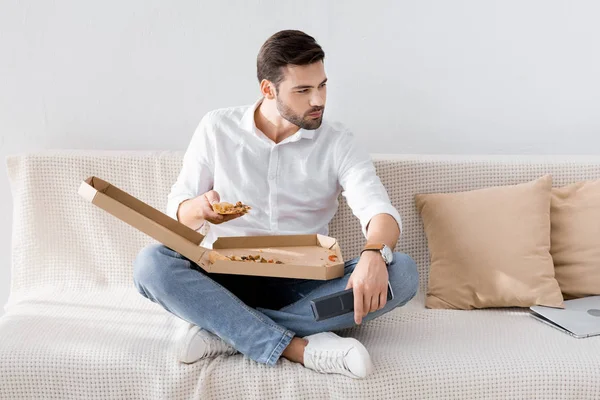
pixel 193 212
pixel 206 211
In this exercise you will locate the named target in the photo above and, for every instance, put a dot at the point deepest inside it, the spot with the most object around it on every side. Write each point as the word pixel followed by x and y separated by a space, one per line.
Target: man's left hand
pixel 369 282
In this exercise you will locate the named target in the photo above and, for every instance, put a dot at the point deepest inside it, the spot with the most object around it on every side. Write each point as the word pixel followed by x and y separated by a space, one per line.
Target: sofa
pixel 75 326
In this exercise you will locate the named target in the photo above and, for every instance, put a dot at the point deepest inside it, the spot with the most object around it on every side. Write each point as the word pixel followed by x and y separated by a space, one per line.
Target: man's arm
pixel 383 228
pixel 195 178
pixel 191 197
pixel 370 277
pixel 364 192
pixel 380 222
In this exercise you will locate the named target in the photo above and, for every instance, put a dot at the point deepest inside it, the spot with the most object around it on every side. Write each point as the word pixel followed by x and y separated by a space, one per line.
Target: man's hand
pixel 206 211
pixel 370 284
pixel 193 212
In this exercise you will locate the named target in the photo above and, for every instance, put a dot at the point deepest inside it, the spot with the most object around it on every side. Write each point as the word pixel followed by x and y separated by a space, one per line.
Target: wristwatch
pixel 386 252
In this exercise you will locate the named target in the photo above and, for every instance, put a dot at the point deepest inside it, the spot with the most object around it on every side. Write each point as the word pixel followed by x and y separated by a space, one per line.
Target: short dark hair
pixel 287 47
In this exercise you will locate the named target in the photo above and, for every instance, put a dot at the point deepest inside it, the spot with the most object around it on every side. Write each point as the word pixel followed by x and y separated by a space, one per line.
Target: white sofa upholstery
pixel 75 326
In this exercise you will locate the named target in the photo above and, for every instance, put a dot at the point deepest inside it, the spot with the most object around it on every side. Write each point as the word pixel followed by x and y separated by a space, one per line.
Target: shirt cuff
pixel 173 205
pixel 375 209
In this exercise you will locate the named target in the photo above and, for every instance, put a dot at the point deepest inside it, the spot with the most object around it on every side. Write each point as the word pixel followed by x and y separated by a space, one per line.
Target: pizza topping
pixel 228 208
pixel 251 258
pixel 332 258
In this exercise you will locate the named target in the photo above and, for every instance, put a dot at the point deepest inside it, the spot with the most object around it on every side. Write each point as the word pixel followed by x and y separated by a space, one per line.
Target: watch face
pixel 387 254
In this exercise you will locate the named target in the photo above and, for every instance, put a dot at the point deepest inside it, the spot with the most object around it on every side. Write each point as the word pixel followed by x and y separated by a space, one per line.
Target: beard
pixel 301 121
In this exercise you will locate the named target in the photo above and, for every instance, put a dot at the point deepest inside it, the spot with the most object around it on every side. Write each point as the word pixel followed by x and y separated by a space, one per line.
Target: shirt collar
pixel 249 124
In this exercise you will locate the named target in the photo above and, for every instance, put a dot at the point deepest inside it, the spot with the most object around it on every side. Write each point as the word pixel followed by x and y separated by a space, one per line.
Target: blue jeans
pixel 256 315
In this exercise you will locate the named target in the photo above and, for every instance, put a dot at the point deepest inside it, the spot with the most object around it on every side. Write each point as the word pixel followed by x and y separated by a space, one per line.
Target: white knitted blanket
pixel 75 327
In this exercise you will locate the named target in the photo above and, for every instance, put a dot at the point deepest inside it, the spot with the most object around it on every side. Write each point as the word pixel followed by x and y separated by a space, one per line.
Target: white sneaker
pixel 198 343
pixel 329 353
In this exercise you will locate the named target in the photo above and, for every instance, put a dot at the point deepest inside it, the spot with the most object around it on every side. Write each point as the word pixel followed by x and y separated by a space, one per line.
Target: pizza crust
pixel 225 208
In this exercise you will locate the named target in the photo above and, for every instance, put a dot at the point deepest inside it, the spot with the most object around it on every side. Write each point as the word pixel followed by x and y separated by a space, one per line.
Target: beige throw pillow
pixel 490 247
pixel 575 216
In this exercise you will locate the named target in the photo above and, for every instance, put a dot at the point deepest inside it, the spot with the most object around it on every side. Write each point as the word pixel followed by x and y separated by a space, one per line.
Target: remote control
pixel 338 303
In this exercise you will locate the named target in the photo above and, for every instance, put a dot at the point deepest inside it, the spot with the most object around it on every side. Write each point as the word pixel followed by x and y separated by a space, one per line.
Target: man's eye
pixel 303 91
pixel 323 85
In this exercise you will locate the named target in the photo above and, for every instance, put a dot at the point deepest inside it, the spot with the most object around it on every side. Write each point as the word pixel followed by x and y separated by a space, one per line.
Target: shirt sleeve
pixel 362 188
pixel 197 172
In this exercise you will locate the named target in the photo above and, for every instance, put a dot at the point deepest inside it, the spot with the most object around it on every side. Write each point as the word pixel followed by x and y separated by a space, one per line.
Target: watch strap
pixel 373 246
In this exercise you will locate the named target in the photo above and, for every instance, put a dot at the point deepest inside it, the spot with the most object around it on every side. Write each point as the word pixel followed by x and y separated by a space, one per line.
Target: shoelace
pixel 215 346
pixel 210 348
pixel 329 360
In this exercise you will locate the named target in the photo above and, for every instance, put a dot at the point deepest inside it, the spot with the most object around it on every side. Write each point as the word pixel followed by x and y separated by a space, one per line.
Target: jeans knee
pixel 404 277
pixel 147 266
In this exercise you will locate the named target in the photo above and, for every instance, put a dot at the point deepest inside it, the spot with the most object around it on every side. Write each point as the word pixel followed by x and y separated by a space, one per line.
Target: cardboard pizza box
pixel 299 256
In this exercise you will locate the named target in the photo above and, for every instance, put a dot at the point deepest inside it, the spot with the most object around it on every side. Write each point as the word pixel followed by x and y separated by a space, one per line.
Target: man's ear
pixel 267 88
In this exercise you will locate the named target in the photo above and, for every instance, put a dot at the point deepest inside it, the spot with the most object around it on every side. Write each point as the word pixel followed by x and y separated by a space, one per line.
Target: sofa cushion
pixel 490 247
pixel 575 248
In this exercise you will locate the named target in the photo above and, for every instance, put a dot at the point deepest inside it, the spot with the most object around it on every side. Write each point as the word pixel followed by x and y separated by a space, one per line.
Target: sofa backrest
pixel 61 241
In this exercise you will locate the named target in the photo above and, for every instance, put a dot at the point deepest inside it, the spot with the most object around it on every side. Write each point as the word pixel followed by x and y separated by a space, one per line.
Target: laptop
pixel 580 318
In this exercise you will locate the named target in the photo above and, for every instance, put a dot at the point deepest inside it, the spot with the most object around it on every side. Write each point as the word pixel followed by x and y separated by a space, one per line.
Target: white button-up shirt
pixel 292 186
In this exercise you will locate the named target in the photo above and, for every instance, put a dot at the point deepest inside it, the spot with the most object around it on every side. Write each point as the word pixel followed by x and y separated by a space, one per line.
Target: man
pixel 284 160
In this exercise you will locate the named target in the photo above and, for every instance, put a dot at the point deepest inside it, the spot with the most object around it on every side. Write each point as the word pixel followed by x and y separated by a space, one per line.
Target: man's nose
pixel 317 99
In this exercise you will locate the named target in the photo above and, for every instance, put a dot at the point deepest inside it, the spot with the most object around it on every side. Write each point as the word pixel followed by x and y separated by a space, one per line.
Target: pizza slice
pixel 225 208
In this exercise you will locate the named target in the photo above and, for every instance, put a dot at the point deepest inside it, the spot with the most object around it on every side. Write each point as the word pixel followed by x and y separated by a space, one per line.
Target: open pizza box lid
pixel 300 256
